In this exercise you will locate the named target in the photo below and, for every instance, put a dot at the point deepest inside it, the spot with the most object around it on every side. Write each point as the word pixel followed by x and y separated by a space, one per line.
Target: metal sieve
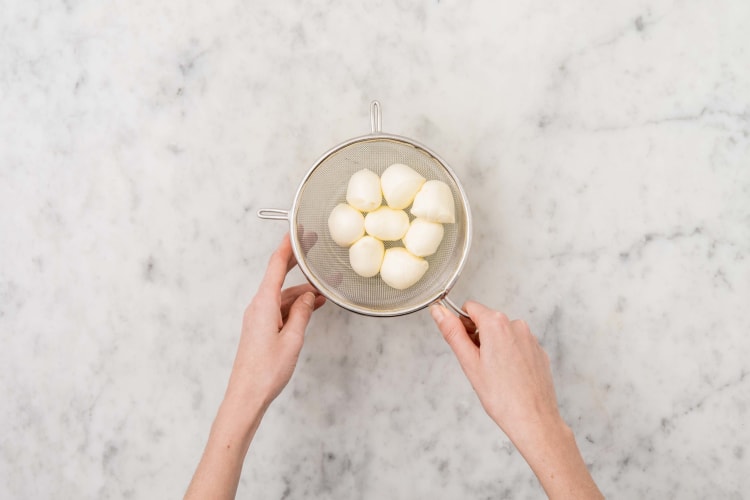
pixel 326 265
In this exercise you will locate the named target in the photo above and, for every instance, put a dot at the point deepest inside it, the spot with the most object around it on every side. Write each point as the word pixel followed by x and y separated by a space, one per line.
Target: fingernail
pixel 309 299
pixel 437 312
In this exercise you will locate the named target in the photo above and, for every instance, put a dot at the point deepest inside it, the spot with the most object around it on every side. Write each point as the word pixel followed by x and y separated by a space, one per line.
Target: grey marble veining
pixel 605 150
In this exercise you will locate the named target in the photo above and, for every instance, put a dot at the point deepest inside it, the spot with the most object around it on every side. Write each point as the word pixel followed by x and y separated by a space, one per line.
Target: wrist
pixel 552 453
pixel 248 391
pixel 235 423
pixel 244 403
pixel 541 433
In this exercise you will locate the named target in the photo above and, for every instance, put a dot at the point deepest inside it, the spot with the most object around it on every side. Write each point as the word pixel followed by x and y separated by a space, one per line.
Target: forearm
pixel 554 457
pixel 218 472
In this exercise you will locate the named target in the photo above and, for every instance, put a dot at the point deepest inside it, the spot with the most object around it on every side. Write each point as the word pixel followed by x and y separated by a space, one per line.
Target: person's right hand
pixel 511 375
pixel 508 369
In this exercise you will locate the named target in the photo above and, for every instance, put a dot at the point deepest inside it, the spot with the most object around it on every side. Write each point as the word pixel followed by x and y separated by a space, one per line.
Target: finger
pixel 475 338
pixel 293 260
pixel 479 311
pixel 520 326
pixel 299 314
pixel 469 325
pixel 278 266
pixel 522 332
pixel 455 335
pixel 319 302
pixel 289 295
pixel 471 329
pixel 487 320
pixel 291 263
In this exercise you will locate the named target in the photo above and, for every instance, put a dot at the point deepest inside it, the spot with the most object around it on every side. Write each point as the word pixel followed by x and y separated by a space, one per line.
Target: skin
pixel 503 361
pixel 273 330
pixel 511 374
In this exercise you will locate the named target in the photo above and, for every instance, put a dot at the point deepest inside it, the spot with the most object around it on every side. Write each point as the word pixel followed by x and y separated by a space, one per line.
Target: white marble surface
pixel 605 149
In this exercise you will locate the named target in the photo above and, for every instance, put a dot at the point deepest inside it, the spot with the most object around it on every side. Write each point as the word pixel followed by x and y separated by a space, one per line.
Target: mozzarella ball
pixel 401 269
pixel 423 237
pixel 387 224
pixel 400 184
pixel 363 191
pixel 366 255
pixel 345 224
pixel 434 202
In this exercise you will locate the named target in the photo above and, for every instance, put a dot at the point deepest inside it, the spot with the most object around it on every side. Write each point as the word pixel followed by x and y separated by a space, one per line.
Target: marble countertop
pixel 605 151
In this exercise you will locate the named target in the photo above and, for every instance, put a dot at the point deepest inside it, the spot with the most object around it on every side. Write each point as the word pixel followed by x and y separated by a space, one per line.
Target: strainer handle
pixel 376 119
pixel 273 214
pixel 452 306
pixel 469 324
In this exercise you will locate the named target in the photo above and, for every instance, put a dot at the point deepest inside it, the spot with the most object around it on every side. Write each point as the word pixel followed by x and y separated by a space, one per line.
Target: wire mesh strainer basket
pixel 326 265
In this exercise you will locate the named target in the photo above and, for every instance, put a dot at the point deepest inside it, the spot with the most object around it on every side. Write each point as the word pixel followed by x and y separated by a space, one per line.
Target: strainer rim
pixel 441 292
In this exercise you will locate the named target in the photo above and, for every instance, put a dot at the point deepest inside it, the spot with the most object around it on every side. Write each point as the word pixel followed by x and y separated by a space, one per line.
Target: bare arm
pixel 273 330
pixel 511 375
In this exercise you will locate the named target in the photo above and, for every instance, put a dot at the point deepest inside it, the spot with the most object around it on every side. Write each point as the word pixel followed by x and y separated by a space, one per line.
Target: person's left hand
pixel 273 331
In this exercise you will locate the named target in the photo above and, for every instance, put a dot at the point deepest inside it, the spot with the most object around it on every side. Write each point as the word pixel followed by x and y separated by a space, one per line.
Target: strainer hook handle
pixel 469 324
pixel 376 119
pixel 273 214
pixel 453 306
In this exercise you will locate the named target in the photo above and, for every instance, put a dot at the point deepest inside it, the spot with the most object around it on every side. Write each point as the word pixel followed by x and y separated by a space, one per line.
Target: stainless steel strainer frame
pixel 441 294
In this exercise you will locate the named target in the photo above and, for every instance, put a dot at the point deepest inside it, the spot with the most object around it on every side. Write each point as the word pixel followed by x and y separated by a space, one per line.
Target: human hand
pixel 511 375
pixel 273 330
pixel 506 366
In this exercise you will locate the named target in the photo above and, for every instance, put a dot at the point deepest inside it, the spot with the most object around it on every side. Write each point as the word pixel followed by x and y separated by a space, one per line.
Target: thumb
pixel 455 334
pixel 299 314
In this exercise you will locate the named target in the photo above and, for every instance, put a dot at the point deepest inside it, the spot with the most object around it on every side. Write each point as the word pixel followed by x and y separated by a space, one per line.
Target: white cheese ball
pixel 423 237
pixel 400 184
pixel 401 269
pixel 366 255
pixel 387 224
pixel 345 224
pixel 363 191
pixel 434 202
